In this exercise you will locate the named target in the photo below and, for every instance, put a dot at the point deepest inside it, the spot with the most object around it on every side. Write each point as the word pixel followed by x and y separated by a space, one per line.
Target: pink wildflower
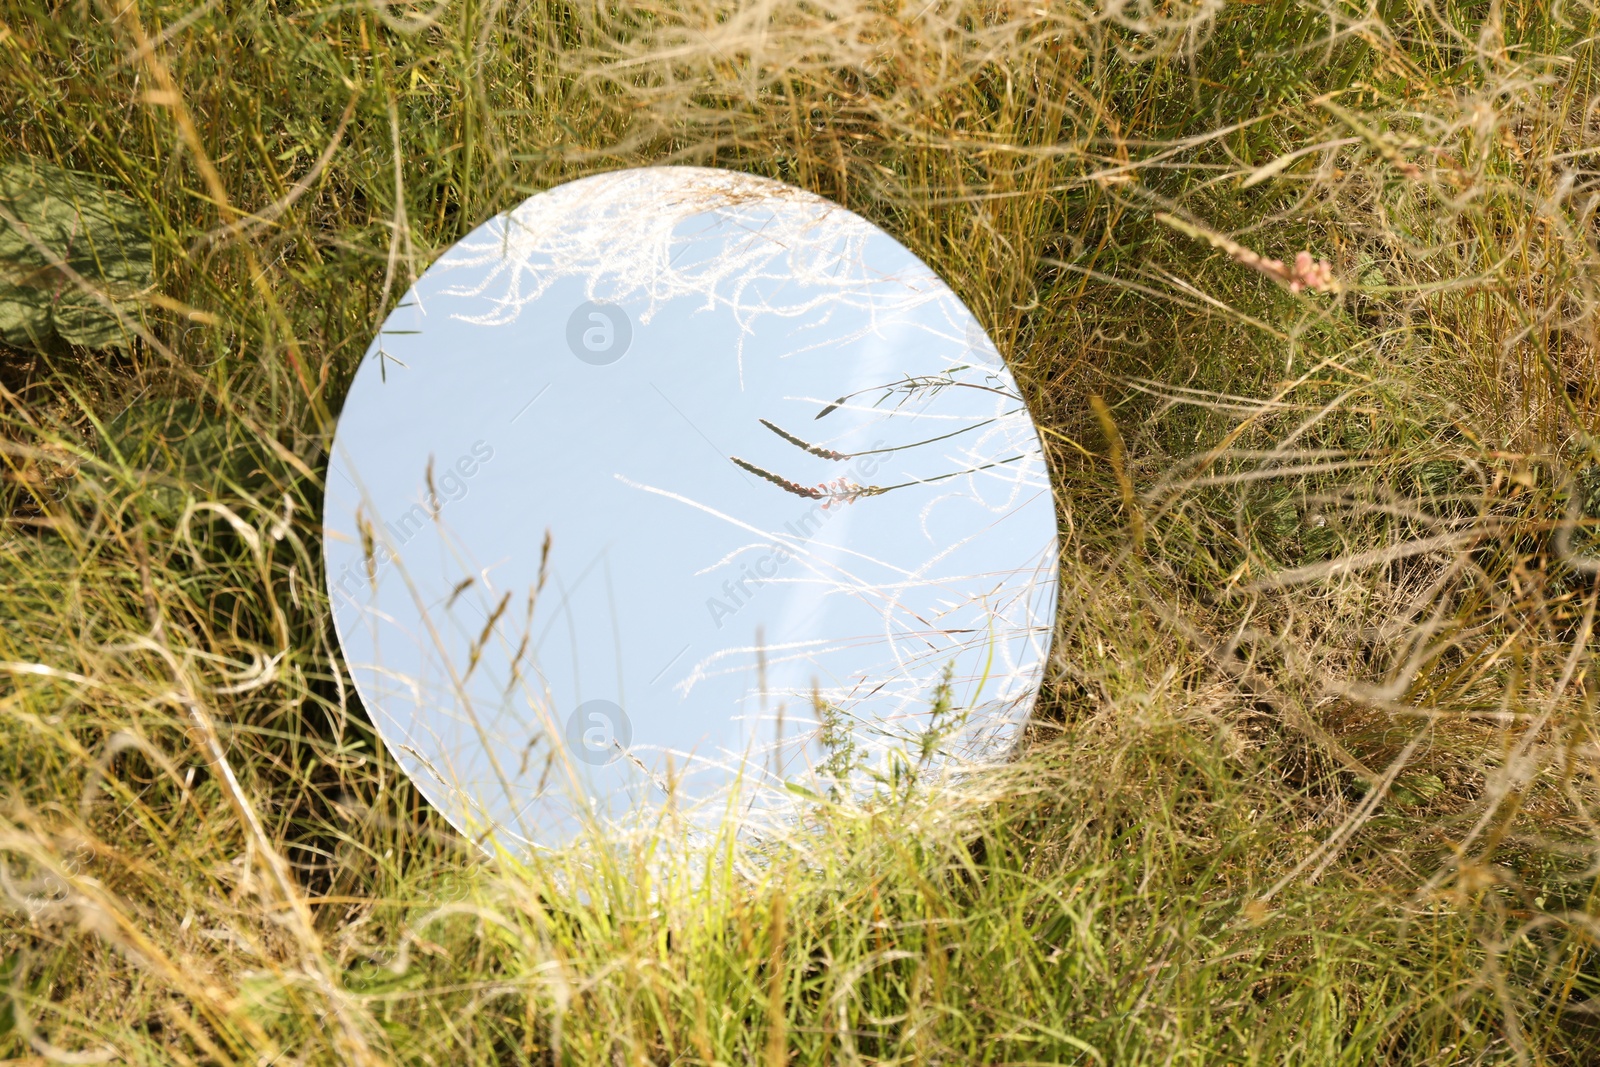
pixel 1315 275
pixel 839 491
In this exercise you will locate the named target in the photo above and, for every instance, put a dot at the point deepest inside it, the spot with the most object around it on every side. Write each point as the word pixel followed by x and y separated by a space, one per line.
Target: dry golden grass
pixel 1315 775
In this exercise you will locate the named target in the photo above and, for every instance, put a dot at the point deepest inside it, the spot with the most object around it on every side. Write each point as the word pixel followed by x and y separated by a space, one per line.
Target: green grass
pixel 1316 771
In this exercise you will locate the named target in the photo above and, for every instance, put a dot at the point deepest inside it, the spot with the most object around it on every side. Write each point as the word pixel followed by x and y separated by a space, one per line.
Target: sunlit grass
pixel 1314 772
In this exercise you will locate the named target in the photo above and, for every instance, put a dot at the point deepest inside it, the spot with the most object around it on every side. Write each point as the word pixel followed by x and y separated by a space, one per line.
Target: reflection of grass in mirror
pixel 1316 780
pixel 913 387
pixel 844 491
pixel 838 491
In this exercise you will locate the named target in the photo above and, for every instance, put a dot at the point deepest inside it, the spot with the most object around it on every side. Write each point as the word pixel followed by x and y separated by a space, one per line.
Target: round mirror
pixel 680 489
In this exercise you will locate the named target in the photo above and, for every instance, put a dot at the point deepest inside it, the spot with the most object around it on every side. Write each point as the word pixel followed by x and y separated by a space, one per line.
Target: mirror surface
pixel 677 482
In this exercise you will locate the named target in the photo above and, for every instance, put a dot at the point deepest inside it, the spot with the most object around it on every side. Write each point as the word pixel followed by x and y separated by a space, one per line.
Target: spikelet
pixel 838 491
pixel 1305 273
pixel 815 450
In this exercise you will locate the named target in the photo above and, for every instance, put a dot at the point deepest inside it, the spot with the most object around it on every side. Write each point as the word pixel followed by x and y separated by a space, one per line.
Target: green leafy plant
pixel 837 740
pixel 75 257
pixel 944 718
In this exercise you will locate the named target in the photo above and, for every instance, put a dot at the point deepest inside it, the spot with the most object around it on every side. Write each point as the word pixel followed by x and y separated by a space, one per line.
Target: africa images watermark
pixel 599 333
pixel 737 592
pixel 598 731
pixel 449 487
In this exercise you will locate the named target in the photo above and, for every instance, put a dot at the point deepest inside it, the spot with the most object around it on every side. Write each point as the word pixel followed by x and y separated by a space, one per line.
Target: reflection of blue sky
pixel 628 467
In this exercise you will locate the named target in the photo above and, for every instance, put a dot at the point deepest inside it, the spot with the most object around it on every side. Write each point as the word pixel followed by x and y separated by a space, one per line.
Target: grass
pixel 1315 773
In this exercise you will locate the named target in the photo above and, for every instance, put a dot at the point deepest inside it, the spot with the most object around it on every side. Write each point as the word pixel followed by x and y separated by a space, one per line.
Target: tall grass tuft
pixel 1303 298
